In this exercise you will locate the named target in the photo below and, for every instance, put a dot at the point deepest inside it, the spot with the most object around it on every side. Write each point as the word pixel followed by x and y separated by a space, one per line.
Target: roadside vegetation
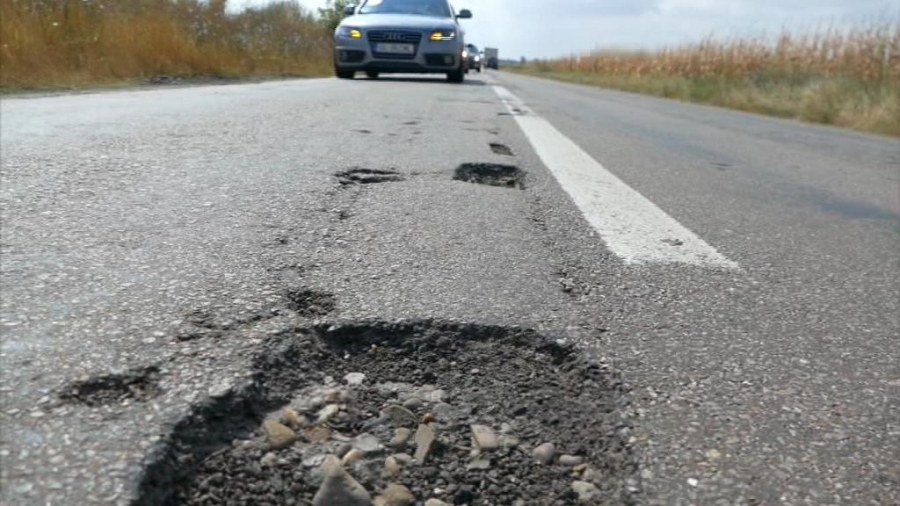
pixel 848 78
pixel 70 43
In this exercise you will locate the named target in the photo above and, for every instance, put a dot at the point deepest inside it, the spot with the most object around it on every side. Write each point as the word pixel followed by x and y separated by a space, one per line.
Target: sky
pixel 548 28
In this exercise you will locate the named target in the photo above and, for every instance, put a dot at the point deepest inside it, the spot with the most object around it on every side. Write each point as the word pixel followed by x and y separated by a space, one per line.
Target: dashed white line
pixel 632 226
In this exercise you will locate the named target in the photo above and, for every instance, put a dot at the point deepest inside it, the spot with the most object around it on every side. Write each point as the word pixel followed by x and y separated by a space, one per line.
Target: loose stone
pixel 424 440
pixel 268 459
pixel 327 413
pixel 367 443
pixel 544 453
pixel 413 403
pixel 392 466
pixel 401 416
pixel 401 436
pixel 355 378
pixel 586 491
pixel 480 464
pixel 443 409
pixel 592 475
pixel 403 458
pixel 317 434
pixel 352 456
pixel 292 419
pixel 395 495
pixel 339 488
pixel 278 435
pixel 484 438
pixel 570 460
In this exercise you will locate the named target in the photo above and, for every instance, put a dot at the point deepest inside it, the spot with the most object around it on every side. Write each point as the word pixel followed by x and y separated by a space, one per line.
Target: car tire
pixel 457 76
pixel 372 75
pixel 343 74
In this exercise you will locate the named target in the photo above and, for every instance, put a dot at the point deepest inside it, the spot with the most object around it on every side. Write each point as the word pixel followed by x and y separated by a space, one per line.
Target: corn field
pixel 847 77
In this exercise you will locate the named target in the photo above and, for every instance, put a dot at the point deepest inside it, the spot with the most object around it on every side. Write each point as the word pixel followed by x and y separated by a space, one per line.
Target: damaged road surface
pixel 510 292
pixel 458 413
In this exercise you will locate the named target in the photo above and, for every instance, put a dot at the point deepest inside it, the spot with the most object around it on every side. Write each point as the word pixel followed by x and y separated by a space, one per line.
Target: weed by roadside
pixel 86 42
pixel 846 78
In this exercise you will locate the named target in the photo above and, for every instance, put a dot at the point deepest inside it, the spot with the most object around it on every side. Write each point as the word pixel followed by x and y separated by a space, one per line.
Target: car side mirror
pixel 464 14
pixel 349 10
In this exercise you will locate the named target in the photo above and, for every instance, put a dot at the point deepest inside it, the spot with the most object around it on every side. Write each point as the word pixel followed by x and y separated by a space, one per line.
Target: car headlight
pixel 350 32
pixel 440 35
pixel 477 58
pixel 465 53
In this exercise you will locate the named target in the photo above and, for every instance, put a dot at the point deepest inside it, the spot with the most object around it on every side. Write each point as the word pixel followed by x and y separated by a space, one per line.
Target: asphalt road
pixel 768 375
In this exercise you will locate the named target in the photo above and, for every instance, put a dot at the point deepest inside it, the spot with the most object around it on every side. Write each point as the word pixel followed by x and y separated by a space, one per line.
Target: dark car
pixel 473 57
pixel 417 36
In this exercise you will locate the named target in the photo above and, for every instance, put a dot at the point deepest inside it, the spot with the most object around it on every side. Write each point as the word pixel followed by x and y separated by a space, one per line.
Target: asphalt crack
pixel 368 176
pixel 501 149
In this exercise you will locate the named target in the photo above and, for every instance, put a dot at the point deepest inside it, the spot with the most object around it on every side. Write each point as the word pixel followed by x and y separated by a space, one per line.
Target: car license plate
pixel 391 48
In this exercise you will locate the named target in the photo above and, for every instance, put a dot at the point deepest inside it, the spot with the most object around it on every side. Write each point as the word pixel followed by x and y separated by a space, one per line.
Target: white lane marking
pixel 631 225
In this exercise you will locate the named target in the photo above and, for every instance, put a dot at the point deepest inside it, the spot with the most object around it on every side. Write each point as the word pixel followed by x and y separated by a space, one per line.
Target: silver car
pixel 401 36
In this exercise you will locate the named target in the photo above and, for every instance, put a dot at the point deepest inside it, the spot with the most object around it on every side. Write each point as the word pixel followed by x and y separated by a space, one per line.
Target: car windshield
pixel 437 8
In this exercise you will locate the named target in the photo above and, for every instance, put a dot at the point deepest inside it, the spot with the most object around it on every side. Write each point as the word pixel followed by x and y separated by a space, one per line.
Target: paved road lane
pixel 780 384
pixel 127 214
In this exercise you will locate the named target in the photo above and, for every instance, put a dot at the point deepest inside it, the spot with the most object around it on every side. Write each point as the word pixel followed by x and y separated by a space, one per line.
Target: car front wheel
pixel 343 74
pixel 457 76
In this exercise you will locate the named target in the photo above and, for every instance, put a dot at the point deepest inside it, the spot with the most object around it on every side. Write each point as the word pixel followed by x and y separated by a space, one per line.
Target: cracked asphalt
pixel 165 229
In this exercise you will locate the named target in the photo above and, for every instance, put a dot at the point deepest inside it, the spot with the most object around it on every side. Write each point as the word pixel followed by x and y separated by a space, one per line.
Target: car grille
pixel 392 36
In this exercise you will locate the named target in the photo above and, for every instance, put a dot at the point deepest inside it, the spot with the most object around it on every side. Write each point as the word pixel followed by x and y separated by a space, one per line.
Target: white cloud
pixel 542 28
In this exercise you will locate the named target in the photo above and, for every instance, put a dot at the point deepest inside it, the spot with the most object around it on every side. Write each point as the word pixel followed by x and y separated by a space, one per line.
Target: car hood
pixel 399 21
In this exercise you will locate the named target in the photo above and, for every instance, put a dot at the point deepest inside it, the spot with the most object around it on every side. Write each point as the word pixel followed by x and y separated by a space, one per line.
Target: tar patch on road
pixel 310 302
pixel 367 176
pixel 452 411
pixel 135 385
pixel 501 149
pixel 491 174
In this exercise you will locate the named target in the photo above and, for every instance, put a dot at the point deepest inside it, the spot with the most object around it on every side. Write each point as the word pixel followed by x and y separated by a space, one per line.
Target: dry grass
pixel 49 43
pixel 847 78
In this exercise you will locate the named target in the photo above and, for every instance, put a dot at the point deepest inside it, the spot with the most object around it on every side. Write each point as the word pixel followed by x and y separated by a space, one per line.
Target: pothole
pixel 492 174
pixel 204 325
pixel 460 413
pixel 501 149
pixel 367 176
pixel 133 385
pixel 310 302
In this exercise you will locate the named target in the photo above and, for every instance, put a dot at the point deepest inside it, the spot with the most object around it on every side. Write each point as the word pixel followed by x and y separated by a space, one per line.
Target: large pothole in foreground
pixel 464 414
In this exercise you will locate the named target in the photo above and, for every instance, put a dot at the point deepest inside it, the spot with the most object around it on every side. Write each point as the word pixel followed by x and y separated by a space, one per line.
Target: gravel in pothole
pixel 421 413
pixel 491 174
pixel 137 385
pixel 310 302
